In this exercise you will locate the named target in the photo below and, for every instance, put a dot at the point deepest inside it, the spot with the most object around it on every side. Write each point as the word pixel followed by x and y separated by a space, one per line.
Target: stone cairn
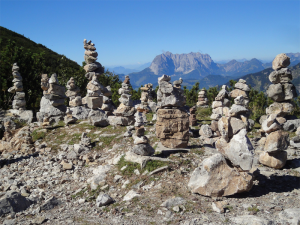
pixel 151 96
pixel 192 118
pixel 19 102
pixel 124 114
pixel 52 103
pixel 235 159
pixel 172 126
pixel 210 134
pixel 282 91
pixel 241 89
pixel 141 142
pixel 73 93
pixel 69 118
pixel 95 90
pixel 202 99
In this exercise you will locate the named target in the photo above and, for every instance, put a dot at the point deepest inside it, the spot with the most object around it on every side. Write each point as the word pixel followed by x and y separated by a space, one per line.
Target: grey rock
pixel 103 199
pixel 143 149
pixel 251 220
pixel 98 118
pixel 242 86
pixel 13 202
pixel 280 61
pixel 281 76
pixel 275 92
pixel 50 203
pixel 289 91
pixel 291 125
pixel 46 108
pixel 291 216
pixel 80 112
pixel 237 110
pixel 206 131
pixel 173 202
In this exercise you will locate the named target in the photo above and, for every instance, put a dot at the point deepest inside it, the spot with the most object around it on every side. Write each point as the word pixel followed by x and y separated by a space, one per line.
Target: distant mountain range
pixel 197 66
pixel 128 69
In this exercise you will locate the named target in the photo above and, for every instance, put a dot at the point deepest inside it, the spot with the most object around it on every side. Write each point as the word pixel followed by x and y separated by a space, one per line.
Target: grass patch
pixel 150 166
pixel 149 116
pixel 20 122
pixel 130 166
pixel 203 113
pixel 253 209
pixel 74 139
pixel 197 151
pixel 61 123
pixel 38 134
pixel 154 164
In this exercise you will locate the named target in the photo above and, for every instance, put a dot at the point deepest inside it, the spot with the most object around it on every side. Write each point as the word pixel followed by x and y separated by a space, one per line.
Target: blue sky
pixel 131 32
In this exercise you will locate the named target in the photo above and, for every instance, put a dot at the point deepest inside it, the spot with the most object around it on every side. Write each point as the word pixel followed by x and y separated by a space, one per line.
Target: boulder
pixel 143 149
pixel 98 118
pixel 275 160
pixel 239 150
pixel 80 112
pixel 276 141
pixel 215 178
pixel 291 125
pixel 103 199
pixel 205 131
pixel 273 127
pixel 94 102
pixel 217 104
pixel 280 61
pixel 13 202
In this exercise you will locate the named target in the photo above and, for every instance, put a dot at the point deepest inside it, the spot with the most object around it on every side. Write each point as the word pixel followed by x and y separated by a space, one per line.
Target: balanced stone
pixel 280 61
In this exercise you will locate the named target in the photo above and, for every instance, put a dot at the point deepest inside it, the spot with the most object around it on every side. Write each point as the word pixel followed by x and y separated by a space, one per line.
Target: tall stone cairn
pixel 172 126
pixel 210 134
pixel 125 112
pixel 19 98
pixel 145 98
pixel 95 90
pixel 73 93
pixel 141 142
pixel 202 99
pixel 282 91
pixel 52 103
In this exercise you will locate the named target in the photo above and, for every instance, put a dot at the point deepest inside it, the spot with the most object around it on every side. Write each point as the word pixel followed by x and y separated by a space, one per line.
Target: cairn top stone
pixel 164 78
pixel 53 79
pixel 280 61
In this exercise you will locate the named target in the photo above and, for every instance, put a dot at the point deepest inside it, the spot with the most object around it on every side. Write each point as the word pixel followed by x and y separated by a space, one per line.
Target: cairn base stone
pixel 215 178
pixel 275 160
pixel 121 121
pixel 50 111
pixel 172 127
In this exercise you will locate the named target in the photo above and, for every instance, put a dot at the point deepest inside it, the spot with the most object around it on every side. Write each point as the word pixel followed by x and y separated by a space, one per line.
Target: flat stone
pixel 275 160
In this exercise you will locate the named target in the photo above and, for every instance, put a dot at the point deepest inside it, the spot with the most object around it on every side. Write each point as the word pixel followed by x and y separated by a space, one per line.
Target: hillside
pixel 36 59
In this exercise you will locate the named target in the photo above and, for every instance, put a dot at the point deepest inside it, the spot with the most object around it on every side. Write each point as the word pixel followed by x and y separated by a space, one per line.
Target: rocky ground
pixel 55 185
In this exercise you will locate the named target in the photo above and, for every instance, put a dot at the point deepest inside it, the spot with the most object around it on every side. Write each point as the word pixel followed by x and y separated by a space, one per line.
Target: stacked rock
pixel 73 93
pixel 202 99
pixel 282 91
pixel 220 107
pixel 145 98
pixel 192 118
pixel 95 90
pixel 151 96
pixel 52 103
pixel 172 126
pixel 141 142
pixel 19 98
pixel 235 159
pixel 69 119
pixel 241 89
pixel 295 141
pixel 124 114
pixel 107 105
